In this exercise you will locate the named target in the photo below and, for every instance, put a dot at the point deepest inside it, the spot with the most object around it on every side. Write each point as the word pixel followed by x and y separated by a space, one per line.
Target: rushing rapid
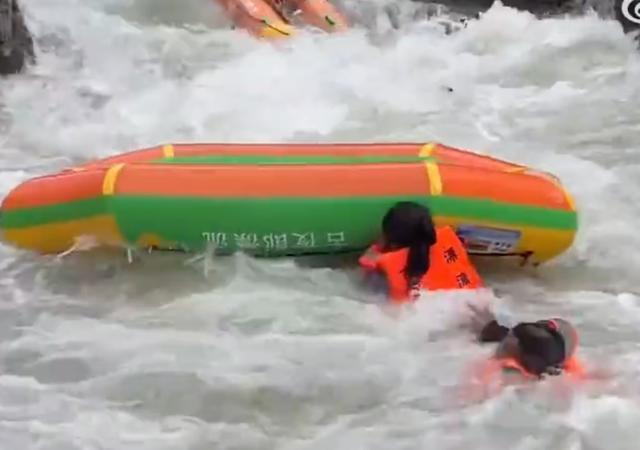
pixel 97 352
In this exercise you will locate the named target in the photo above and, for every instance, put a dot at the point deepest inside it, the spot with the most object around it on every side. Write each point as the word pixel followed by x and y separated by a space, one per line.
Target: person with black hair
pixel 528 350
pixel 413 254
pixel 540 348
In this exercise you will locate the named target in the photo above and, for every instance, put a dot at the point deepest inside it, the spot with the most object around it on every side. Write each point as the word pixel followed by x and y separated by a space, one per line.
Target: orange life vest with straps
pixel 571 366
pixel 499 371
pixel 493 375
pixel 450 267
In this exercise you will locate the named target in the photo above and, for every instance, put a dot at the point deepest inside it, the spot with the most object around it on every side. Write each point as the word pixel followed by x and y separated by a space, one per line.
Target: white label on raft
pixel 336 239
pixel 276 241
pixel 246 240
pixel 305 240
pixel 218 239
pixel 486 240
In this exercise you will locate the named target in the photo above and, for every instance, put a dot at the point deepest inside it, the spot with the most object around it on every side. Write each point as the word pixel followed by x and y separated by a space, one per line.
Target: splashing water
pixel 97 353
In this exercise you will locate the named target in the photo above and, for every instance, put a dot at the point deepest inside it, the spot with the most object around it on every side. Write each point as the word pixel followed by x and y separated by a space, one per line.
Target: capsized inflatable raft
pixel 268 18
pixel 288 199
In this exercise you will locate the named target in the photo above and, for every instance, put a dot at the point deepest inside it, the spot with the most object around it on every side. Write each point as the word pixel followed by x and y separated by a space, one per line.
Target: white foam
pixel 99 353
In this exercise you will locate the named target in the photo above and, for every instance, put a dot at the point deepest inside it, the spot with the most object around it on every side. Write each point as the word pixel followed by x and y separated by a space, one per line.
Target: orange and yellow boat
pixel 269 18
pixel 288 199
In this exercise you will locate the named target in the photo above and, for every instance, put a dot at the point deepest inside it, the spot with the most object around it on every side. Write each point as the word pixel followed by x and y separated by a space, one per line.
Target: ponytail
pixel 419 261
pixel 409 224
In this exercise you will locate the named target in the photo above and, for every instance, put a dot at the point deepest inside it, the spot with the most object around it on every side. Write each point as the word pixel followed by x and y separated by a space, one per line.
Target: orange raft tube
pixel 288 199
pixel 266 18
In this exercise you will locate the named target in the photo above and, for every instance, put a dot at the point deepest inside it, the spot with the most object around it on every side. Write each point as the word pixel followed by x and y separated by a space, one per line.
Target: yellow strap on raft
pixel 109 182
pixel 433 172
pixel 168 151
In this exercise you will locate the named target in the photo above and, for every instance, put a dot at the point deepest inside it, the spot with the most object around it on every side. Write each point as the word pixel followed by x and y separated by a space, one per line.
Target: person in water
pixel 533 350
pixel 413 254
pixel 526 352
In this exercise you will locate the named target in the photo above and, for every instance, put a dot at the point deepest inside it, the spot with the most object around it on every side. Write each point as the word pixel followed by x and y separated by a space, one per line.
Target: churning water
pixel 99 354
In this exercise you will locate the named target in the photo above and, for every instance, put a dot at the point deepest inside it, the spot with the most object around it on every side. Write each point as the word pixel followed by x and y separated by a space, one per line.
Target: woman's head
pixel 408 224
pixel 541 346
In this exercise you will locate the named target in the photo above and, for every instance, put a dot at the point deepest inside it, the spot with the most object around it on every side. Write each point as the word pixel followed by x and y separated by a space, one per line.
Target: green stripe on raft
pixel 177 213
pixel 290 160
pixel 59 212
pixel 349 223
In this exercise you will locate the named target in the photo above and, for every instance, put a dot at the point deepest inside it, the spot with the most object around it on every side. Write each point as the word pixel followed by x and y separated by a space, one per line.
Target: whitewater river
pixel 99 354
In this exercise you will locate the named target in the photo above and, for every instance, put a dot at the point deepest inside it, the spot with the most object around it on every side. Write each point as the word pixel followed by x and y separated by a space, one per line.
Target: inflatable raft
pixel 268 18
pixel 288 199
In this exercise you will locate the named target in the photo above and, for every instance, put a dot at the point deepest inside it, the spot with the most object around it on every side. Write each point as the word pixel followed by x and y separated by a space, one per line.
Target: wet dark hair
pixel 409 224
pixel 542 350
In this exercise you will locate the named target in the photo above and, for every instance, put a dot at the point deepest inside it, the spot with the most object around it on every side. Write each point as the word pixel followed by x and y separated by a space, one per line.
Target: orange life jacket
pixel 572 366
pixel 493 375
pixel 450 267
pixel 496 373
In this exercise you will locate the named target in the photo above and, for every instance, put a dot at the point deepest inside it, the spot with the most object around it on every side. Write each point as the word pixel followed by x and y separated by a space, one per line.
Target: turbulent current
pixel 97 353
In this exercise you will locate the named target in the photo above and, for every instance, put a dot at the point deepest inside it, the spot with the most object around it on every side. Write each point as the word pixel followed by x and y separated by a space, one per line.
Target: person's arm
pixel 485 324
